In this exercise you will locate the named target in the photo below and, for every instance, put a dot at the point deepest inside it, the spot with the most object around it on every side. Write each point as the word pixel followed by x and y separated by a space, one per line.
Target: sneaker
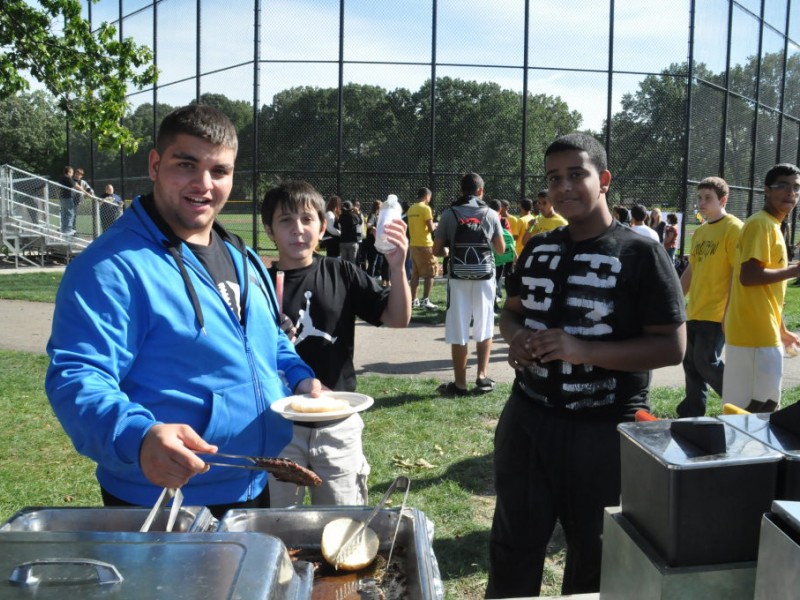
pixel 451 390
pixel 426 303
pixel 415 303
pixel 484 385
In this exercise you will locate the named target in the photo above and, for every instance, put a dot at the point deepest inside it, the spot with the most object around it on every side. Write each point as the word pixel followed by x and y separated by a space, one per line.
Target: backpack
pixel 510 254
pixel 471 255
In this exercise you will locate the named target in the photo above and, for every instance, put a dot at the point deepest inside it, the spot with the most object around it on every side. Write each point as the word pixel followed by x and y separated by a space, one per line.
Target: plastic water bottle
pixel 390 210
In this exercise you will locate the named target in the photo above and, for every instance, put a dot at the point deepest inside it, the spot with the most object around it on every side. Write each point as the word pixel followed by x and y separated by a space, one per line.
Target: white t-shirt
pixel 646 232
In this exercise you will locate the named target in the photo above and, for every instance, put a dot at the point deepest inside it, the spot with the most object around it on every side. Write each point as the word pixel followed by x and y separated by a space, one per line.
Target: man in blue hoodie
pixel 165 342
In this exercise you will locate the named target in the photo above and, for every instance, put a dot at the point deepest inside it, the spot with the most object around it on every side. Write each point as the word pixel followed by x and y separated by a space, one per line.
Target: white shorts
pixel 335 454
pixel 752 374
pixel 469 302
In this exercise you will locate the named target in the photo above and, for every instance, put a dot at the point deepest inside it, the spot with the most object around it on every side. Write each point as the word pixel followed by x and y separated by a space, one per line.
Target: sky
pixel 476 39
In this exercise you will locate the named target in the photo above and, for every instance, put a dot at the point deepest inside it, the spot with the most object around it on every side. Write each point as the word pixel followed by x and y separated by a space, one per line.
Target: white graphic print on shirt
pixel 305 324
pixel 584 301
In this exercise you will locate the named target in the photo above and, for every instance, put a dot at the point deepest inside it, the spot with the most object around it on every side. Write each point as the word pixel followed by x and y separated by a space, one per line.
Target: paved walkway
pixel 419 350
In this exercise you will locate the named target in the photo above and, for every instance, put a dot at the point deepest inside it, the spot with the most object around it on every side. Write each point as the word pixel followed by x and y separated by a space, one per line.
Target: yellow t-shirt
pixel 418 216
pixel 523 223
pixel 544 224
pixel 754 316
pixel 712 259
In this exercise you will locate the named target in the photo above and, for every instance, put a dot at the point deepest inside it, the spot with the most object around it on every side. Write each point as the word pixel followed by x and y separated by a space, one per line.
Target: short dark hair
pixel 505 204
pixel 67 170
pixel 672 219
pixel 291 196
pixel 716 184
pixel 623 214
pixel 638 212
pixel 423 192
pixel 470 184
pixel 542 193
pixel 198 120
pixel 494 204
pixel 778 171
pixel 581 142
pixel 526 204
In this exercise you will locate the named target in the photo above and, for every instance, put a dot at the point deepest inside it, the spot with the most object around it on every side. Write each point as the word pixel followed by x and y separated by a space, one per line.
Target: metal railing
pixel 31 227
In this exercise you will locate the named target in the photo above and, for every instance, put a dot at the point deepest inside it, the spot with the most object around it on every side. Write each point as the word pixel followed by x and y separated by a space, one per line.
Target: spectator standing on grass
pixel 657 224
pixel 548 218
pixel 671 236
pixel 165 344
pixel 707 281
pixel 349 224
pixel 755 333
pixel 592 308
pixel 469 231
pixel 503 263
pixel 423 262
pixel 374 258
pixel 524 222
pixel 638 216
pixel 332 233
pixel 322 297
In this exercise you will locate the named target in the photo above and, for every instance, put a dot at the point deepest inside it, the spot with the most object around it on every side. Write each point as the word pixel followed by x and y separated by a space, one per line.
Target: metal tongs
pixel 255 463
pixel 166 494
pixel 401 482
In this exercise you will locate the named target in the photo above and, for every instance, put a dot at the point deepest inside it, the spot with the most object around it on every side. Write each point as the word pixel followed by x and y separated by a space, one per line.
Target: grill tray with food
pixel 414 575
pixel 180 566
pixel 696 507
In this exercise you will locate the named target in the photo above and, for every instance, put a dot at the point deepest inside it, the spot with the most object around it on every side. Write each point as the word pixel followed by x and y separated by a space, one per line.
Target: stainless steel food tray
pixel 191 519
pixel 302 528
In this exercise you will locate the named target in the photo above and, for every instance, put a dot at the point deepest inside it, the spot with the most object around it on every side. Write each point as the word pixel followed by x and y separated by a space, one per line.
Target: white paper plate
pixel 358 402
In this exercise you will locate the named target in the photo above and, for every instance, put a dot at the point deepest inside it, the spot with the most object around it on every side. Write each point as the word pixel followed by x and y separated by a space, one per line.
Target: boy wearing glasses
pixel 754 330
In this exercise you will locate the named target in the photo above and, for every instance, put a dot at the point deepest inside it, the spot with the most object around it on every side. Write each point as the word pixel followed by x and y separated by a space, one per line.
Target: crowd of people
pixel 171 338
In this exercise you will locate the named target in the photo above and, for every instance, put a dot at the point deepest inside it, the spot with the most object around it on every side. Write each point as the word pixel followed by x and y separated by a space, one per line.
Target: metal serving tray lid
pixel 177 566
pixel 656 439
pixel 190 519
pixel 759 426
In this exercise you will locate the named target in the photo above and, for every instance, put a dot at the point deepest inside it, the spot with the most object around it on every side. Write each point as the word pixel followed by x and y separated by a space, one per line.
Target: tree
pixel 33 133
pixel 87 72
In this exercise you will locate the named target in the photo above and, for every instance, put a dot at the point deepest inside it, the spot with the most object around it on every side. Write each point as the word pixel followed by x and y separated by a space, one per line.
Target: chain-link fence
pixel 364 99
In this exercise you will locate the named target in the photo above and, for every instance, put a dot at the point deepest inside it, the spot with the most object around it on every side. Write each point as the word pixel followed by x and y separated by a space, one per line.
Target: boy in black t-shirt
pixel 591 309
pixel 321 299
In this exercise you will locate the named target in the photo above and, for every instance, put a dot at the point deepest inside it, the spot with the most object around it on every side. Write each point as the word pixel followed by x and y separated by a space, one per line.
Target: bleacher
pixel 30 219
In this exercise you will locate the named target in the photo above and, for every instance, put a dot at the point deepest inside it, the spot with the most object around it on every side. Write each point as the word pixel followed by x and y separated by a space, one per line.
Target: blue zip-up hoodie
pixel 142 336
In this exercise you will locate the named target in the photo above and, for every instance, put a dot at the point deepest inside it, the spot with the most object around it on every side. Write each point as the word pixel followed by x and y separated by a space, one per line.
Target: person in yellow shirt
pixel 524 221
pixel 548 218
pixel 754 330
pixel 423 262
pixel 707 281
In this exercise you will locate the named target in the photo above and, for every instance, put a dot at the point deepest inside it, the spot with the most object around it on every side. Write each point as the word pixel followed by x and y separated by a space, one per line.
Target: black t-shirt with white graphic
pixel 218 262
pixel 605 288
pixel 323 301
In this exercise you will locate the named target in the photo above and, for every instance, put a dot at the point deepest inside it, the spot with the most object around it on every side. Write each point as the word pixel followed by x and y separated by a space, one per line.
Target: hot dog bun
pixel 358 554
pixel 306 404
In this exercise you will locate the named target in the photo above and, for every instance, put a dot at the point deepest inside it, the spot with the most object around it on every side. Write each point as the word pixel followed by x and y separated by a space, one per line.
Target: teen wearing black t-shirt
pixel 591 309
